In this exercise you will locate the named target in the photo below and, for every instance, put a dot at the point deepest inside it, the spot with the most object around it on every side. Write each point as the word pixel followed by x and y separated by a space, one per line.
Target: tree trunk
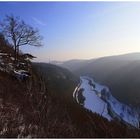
pixel 17 53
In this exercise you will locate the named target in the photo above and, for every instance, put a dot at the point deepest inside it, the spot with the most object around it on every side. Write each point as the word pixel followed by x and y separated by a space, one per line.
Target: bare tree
pixel 19 33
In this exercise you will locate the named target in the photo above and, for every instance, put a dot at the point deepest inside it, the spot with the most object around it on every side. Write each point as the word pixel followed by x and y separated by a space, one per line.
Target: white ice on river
pixel 96 104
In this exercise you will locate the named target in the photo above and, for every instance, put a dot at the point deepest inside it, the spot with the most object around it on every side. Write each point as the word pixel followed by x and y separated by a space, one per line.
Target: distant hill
pixel 53 71
pixel 72 65
pixel 120 73
pixel 76 64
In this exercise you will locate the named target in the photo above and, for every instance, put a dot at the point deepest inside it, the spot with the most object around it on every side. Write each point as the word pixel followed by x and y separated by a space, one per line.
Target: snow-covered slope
pixel 93 102
pixel 98 99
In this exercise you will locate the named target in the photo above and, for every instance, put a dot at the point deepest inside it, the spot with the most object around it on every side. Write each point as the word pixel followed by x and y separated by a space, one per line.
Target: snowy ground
pixel 95 103
pixel 125 112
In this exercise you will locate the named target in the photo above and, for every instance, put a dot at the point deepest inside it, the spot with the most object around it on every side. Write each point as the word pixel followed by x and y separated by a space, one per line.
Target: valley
pixel 118 72
pixel 98 99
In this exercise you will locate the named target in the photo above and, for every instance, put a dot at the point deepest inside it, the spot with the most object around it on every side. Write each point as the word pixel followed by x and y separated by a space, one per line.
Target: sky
pixel 79 30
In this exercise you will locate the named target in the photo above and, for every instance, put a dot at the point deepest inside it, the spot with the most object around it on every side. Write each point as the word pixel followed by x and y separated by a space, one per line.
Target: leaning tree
pixel 19 33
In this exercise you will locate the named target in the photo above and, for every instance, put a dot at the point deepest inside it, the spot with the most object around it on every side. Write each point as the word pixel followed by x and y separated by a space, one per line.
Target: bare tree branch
pixel 19 33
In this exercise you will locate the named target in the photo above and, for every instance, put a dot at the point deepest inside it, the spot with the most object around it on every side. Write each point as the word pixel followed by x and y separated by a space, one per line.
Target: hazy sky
pixel 80 30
